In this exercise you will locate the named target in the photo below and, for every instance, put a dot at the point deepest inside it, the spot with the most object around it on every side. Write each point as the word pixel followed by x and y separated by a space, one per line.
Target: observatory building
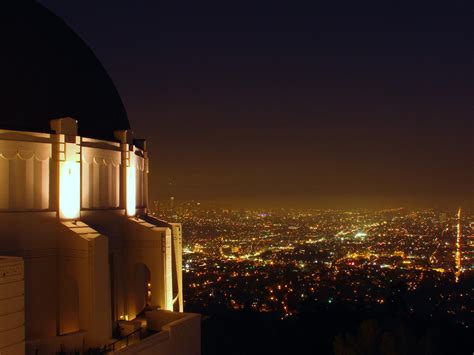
pixel 83 267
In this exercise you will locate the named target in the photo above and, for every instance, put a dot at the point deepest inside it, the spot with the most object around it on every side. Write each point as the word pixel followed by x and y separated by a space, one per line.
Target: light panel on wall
pixel 69 190
pixel 131 190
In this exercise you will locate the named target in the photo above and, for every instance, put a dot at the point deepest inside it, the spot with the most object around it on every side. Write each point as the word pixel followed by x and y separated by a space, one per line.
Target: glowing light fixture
pixel 131 190
pixel 69 190
pixel 168 274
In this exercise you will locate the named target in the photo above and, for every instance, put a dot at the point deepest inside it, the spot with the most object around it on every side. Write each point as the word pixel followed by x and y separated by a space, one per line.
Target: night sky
pixel 299 106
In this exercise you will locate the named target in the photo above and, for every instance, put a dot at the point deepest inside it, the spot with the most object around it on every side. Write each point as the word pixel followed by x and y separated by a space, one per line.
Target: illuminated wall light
pixel 168 274
pixel 69 190
pixel 131 191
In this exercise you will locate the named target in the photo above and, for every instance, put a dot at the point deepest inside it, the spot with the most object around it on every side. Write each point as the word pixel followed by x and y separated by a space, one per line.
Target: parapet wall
pixel 29 171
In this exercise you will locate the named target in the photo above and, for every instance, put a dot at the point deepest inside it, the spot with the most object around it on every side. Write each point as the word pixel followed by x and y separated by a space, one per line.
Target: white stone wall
pixel 100 178
pixel 24 175
pixel 28 173
pixel 70 296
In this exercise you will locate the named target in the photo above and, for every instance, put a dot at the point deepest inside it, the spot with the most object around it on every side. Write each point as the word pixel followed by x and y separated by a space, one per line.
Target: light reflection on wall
pixel 168 274
pixel 69 190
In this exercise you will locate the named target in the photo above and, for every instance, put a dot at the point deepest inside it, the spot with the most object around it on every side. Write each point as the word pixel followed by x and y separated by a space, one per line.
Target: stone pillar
pixel 141 143
pixel 128 173
pixel 67 168
pixel 178 260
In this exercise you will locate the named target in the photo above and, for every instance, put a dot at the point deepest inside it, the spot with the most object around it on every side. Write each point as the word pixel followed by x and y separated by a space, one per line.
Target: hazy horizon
pixel 337 105
pixel 321 202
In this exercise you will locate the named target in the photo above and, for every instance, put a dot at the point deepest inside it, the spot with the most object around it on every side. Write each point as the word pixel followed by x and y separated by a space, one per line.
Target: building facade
pixel 90 268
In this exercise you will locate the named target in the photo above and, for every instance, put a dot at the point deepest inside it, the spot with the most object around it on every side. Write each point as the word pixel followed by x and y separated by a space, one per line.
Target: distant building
pixel 75 237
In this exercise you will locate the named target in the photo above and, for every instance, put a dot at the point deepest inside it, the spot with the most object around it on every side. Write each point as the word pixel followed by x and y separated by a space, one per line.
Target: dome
pixel 49 72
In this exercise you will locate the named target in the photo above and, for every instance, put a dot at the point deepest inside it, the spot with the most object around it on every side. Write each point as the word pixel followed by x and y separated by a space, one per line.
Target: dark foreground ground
pixel 331 330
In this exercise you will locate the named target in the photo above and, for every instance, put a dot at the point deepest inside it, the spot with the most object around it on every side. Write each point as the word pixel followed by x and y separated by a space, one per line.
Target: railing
pixel 63 351
pixel 114 346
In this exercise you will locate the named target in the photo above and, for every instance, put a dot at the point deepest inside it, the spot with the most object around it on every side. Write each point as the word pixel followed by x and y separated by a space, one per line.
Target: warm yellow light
pixel 131 191
pixel 168 274
pixel 69 190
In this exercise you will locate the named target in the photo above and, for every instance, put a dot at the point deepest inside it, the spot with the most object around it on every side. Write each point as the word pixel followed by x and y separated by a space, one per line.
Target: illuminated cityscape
pixel 280 261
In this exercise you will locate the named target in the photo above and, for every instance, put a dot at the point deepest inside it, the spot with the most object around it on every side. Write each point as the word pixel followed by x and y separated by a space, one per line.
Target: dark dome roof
pixel 49 72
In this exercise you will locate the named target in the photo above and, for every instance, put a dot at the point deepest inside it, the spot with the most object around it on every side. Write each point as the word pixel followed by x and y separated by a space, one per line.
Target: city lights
pixel 239 256
pixel 458 246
